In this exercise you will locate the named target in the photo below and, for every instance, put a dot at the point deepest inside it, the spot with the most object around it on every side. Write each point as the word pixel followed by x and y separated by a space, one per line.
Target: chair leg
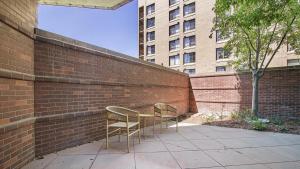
pixel 144 121
pixel 120 132
pixel 161 121
pixel 139 132
pixel 128 139
pixel 153 125
pixel 139 136
pixel 176 124
pixel 106 134
pixel 167 123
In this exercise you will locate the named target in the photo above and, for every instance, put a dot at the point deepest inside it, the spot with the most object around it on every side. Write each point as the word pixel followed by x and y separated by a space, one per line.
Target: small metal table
pixel 144 116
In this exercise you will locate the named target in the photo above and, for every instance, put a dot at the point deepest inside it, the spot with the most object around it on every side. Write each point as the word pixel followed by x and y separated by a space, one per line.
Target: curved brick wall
pixel 75 81
pixel 17 22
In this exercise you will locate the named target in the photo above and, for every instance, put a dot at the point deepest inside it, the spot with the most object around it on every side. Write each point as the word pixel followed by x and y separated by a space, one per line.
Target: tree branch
pixel 250 59
pixel 271 38
pixel 258 46
pixel 277 48
pixel 268 46
pixel 247 35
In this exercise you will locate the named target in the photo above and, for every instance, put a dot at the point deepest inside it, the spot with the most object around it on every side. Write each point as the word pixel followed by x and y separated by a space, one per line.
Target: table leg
pixel 144 126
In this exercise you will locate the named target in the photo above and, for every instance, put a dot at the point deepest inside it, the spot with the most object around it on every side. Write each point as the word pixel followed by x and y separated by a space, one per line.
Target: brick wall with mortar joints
pixel 279 93
pixel 74 85
pixel 17 22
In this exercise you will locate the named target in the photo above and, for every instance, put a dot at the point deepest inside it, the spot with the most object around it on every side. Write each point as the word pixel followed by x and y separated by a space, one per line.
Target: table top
pixel 146 115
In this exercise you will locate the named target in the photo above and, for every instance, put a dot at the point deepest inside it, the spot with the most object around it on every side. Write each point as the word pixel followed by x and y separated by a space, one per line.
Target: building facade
pixel 175 34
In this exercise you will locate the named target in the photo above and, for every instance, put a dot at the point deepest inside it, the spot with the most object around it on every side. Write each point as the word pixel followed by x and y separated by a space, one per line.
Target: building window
pixel 174 14
pixel 293 62
pixel 151 50
pixel 174 29
pixel 221 54
pixel 151 60
pixel 220 69
pixel 189 25
pixel 189 58
pixel 150 22
pixel 190 71
pixel 189 9
pixel 174 44
pixel 220 37
pixel 150 36
pixel 172 2
pixel 150 9
pixel 189 41
pixel 174 60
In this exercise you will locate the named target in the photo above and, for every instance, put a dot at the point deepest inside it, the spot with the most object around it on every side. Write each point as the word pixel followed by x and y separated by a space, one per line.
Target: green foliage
pixel 276 121
pixel 243 115
pixel 258 125
pixel 279 123
pixel 283 128
pixel 210 118
pixel 259 28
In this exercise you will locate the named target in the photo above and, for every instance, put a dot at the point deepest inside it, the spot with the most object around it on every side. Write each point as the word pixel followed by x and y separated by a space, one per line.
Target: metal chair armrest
pixel 172 109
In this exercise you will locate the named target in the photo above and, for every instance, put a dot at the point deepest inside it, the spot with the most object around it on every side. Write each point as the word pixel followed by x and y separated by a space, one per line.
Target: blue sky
pixel 116 30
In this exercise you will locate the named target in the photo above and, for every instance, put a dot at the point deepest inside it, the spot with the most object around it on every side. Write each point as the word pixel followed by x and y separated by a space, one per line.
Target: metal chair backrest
pixel 162 108
pixel 113 111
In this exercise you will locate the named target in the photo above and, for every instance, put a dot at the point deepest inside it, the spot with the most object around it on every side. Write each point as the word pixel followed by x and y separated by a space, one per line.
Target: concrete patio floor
pixel 192 147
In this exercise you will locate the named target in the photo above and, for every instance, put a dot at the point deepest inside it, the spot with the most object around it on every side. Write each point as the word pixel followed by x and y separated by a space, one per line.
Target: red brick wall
pixel 279 93
pixel 17 20
pixel 74 85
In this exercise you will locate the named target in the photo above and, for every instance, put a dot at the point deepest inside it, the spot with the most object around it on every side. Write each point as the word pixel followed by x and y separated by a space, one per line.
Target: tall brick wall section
pixel 17 22
pixel 279 93
pixel 76 81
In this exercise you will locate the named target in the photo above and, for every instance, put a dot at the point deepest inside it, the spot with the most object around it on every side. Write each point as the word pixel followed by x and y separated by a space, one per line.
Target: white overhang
pixel 97 4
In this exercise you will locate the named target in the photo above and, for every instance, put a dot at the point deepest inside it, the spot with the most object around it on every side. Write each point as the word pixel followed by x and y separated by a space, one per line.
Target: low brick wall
pixel 279 93
pixel 75 81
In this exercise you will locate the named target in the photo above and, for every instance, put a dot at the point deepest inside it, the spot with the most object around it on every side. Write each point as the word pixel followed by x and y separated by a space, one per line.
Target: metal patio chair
pixel 165 112
pixel 122 120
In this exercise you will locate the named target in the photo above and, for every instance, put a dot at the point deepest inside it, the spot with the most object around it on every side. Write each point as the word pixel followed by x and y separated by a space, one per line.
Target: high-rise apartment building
pixel 175 34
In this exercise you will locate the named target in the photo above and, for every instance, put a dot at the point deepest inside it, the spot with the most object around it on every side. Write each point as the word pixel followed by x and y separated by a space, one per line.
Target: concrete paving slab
pixel 290 152
pixel 211 168
pixel 161 160
pixel 171 136
pixel 41 163
pixel 265 141
pixel 150 147
pixel 117 147
pixel 114 161
pixel 208 144
pixel 194 159
pixel 264 155
pixel 231 157
pixel 255 166
pixel 233 143
pixel 286 165
pixel 86 149
pixel 149 138
pixel 195 136
pixel 179 145
pixel 72 162
pixel 192 147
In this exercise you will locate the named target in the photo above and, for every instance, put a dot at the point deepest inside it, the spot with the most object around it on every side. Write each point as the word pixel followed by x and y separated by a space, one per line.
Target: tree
pixel 259 29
